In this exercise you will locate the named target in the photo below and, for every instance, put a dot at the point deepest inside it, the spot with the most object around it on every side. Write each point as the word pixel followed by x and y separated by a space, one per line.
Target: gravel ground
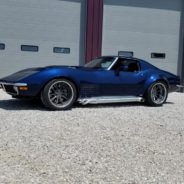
pixel 124 143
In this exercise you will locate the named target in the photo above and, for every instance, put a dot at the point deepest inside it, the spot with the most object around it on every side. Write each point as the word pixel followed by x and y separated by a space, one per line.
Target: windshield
pixel 100 63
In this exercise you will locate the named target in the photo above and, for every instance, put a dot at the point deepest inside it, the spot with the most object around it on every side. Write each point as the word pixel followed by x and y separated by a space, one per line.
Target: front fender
pixel 37 81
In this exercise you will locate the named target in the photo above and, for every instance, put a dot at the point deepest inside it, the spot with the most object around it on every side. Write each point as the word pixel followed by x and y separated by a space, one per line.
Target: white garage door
pixel 30 29
pixel 150 29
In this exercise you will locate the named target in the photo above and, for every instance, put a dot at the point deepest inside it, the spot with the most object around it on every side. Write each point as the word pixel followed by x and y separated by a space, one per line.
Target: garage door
pixel 40 32
pixel 150 29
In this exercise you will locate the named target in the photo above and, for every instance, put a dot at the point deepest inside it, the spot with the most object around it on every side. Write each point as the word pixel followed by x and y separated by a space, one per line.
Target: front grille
pixel 9 89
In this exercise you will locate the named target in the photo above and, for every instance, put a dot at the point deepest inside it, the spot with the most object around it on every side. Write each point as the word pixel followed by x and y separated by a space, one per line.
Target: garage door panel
pixel 146 21
pixel 173 5
pixel 49 23
pixel 12 58
pixel 49 34
pixel 137 39
pixel 48 4
pixel 35 16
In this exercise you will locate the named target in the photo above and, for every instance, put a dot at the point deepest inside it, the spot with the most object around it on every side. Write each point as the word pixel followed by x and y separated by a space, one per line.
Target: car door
pixel 124 79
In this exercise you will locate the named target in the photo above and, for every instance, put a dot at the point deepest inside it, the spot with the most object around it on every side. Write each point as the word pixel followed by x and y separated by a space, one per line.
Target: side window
pixel 127 65
pixel 133 66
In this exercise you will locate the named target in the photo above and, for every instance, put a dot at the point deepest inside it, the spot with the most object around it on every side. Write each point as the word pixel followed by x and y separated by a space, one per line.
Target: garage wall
pixel 44 23
pixel 144 27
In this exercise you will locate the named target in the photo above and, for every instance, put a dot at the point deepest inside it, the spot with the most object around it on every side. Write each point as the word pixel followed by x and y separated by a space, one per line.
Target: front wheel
pixel 157 94
pixel 59 94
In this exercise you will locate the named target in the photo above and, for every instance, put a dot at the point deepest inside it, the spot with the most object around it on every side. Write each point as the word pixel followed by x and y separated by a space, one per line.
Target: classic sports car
pixel 108 79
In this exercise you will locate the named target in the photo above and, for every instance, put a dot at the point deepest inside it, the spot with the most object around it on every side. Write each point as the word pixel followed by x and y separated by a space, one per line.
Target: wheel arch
pixel 164 81
pixel 153 79
pixel 61 77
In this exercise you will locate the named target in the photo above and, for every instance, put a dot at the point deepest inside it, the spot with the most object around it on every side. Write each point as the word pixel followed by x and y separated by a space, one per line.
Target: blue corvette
pixel 108 79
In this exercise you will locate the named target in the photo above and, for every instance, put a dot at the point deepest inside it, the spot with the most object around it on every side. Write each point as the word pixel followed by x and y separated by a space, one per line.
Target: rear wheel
pixel 157 94
pixel 59 94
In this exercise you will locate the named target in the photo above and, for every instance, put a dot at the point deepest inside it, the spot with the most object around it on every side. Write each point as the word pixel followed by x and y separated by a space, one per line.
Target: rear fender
pixel 153 78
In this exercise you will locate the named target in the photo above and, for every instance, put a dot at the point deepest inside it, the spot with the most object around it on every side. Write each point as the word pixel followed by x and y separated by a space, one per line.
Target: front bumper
pixel 13 88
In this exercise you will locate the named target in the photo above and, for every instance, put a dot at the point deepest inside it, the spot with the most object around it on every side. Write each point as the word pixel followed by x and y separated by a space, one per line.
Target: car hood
pixel 31 71
pixel 20 75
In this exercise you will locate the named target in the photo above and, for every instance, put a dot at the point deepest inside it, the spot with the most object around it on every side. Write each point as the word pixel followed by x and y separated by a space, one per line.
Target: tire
pixel 59 94
pixel 157 94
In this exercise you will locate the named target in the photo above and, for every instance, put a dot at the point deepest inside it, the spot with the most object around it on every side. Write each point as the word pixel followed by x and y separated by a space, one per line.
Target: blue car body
pixel 91 82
